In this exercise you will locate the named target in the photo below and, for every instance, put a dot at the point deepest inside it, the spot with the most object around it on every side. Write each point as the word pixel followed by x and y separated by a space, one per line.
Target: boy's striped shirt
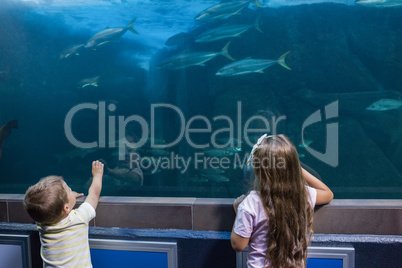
pixel 65 244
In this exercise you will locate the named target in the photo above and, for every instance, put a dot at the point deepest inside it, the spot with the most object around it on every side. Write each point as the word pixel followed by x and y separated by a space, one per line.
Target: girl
pixel 275 219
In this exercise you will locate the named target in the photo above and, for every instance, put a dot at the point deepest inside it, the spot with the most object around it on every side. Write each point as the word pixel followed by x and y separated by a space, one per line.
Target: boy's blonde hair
pixel 45 200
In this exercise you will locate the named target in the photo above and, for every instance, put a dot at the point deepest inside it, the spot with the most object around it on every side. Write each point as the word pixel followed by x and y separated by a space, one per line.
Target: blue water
pixel 339 51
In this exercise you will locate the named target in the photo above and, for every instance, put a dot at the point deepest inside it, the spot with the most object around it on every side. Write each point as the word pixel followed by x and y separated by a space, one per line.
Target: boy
pixel 63 231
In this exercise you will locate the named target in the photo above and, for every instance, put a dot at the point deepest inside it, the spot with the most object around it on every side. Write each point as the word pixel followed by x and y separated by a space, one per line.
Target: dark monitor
pixel 15 251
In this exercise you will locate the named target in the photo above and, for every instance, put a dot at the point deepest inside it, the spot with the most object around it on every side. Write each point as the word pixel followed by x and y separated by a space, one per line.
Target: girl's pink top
pixel 251 222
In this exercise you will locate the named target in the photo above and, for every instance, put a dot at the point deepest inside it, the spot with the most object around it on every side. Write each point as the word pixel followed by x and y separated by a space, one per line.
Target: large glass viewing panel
pixel 173 94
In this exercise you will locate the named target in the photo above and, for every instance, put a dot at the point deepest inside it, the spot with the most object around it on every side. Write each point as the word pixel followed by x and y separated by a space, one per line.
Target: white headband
pixel 251 156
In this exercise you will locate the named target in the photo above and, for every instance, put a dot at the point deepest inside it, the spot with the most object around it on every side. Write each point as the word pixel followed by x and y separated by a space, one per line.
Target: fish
pixel 218 152
pixel 384 105
pixel 225 31
pixel 233 149
pixel 5 131
pixel 223 10
pixel 305 144
pixel 247 66
pixel 73 50
pixel 187 59
pixel 379 3
pixel 347 101
pixel 109 35
pixel 91 81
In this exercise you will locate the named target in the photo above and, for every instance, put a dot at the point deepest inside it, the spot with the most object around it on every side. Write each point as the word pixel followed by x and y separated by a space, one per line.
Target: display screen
pixel 103 258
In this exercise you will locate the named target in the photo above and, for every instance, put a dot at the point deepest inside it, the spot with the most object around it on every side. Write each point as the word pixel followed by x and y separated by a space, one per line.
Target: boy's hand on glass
pixel 97 168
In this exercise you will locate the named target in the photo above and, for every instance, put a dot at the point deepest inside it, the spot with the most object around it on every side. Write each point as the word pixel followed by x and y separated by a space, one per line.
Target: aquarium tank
pixel 171 95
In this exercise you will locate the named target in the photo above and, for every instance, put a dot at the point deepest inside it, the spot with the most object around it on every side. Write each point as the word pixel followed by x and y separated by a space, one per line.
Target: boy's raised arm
pixel 96 186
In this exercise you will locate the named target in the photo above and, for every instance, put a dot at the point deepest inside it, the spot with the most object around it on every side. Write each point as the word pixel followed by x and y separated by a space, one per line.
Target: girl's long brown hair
pixel 282 190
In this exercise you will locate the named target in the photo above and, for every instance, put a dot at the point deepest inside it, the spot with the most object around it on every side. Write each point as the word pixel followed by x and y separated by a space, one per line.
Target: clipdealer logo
pixel 107 126
pixel 331 154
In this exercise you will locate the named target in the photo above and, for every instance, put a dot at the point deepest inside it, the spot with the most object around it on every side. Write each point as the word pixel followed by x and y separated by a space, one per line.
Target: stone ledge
pixel 342 216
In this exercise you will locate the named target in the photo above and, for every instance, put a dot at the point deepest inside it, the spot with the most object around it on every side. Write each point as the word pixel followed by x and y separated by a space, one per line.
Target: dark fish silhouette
pixel 5 130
